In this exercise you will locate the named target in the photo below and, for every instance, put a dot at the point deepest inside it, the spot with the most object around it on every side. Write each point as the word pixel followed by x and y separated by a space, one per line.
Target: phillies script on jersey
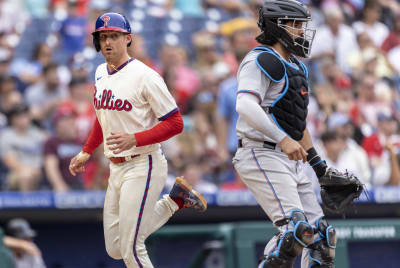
pixel 106 101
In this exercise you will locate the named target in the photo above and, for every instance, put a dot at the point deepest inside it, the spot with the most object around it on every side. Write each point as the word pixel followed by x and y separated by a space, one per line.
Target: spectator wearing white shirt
pixel 337 155
pixel 370 23
pixel 394 58
pixel 335 39
pixel 342 124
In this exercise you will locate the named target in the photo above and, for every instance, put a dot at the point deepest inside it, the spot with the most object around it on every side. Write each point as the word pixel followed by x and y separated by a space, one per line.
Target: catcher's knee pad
pixel 322 251
pixel 290 243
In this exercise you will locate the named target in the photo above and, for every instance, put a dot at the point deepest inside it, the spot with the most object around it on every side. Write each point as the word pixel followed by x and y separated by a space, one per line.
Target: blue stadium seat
pixel 36 32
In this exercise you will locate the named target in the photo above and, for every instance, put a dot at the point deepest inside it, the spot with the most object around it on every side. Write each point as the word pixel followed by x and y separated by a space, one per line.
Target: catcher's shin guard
pixel 290 243
pixel 322 251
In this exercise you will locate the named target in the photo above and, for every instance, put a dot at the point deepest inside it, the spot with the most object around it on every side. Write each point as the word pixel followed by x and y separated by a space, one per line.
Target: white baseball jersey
pixel 131 99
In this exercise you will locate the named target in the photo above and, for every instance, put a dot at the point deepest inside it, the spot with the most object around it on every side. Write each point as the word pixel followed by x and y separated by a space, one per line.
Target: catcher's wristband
pixel 316 162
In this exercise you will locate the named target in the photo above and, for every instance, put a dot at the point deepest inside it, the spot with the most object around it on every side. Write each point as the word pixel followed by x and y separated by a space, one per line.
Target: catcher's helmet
pixel 273 16
pixel 110 22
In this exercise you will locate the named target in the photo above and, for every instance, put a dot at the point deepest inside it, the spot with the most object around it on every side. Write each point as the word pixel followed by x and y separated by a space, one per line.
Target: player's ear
pixel 128 40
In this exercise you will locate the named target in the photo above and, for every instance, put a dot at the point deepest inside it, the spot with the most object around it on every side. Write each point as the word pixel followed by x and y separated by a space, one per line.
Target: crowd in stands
pixel 47 63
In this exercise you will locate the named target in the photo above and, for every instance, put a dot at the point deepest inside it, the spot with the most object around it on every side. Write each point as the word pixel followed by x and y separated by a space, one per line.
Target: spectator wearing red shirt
pixel 58 152
pixel 80 103
pixel 382 149
pixel 365 110
pixel 393 39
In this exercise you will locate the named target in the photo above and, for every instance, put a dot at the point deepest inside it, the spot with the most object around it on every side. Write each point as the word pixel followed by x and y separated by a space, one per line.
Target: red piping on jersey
pixel 252 93
pixel 120 67
pixel 95 138
pixel 164 130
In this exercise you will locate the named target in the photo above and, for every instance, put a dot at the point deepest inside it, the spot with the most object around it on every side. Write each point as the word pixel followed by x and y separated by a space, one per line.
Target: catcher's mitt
pixel 338 190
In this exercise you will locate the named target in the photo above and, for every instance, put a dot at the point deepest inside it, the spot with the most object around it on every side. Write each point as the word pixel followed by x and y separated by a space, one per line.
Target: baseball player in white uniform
pixel 135 112
pixel 272 104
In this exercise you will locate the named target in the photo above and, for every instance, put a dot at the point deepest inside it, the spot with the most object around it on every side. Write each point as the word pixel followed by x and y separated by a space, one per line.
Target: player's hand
pixel 77 163
pixel 293 149
pixel 120 141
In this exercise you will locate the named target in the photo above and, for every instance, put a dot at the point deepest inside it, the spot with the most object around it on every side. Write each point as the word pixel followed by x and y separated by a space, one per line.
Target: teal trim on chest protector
pixel 271 64
pixel 284 76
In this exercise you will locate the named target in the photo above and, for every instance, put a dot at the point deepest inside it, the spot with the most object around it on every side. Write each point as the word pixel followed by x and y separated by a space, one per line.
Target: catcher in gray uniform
pixel 272 104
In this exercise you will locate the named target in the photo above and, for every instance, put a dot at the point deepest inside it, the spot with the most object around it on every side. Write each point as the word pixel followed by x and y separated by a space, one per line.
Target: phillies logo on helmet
pixel 106 19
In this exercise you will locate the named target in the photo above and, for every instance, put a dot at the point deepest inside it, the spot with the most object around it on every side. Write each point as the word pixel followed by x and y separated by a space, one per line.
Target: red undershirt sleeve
pixel 95 138
pixel 164 130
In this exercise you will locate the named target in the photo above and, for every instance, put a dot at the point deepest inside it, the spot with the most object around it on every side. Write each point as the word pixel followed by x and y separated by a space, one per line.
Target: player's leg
pixel 141 188
pixel 164 208
pixel 181 196
pixel 270 176
pixel 322 252
pixel 111 214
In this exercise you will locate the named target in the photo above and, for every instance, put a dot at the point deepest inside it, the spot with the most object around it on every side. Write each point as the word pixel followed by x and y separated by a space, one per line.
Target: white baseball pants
pixel 278 184
pixel 132 210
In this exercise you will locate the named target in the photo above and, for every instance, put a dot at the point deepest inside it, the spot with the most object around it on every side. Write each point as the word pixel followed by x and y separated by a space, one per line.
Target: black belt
pixel 266 144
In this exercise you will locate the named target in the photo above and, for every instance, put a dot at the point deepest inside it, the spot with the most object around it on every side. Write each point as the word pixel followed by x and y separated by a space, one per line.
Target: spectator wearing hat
pixel 19 239
pixel 239 36
pixel 338 152
pixel 342 125
pixel 59 149
pixel 383 148
pixel 338 156
pixel 21 150
pixel 206 55
pixel 241 33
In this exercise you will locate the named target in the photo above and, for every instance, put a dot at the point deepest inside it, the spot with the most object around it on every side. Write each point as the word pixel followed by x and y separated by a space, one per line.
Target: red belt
pixel 122 159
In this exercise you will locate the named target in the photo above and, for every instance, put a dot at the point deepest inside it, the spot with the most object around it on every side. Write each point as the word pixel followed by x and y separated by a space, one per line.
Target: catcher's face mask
pixel 301 34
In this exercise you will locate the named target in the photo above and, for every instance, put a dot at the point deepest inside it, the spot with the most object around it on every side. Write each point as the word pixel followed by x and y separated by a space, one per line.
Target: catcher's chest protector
pixel 289 110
